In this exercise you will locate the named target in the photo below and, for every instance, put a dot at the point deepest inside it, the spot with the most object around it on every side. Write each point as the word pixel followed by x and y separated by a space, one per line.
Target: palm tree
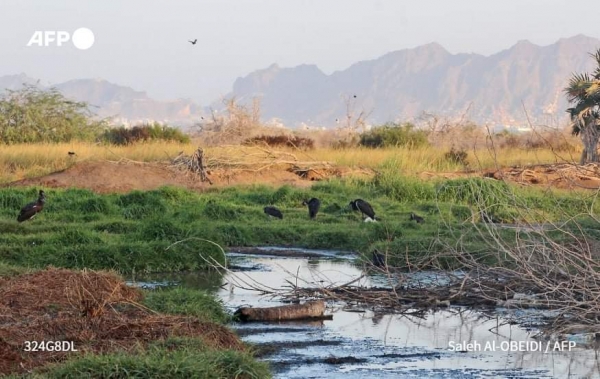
pixel 584 92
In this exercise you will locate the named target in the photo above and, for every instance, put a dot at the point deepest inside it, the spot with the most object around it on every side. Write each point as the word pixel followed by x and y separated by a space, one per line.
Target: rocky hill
pixel 405 83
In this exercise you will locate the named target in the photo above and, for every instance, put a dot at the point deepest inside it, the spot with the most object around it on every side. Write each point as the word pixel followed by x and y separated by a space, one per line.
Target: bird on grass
pixel 194 41
pixel 274 212
pixel 71 153
pixel 364 208
pixel 30 210
pixel 313 207
pixel 489 219
pixel 417 218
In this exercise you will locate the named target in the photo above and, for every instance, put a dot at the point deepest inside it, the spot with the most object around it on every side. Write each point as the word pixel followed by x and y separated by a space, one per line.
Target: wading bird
pixel 274 212
pixel 415 217
pixel 364 208
pixel 488 218
pixel 313 207
pixel 378 259
pixel 194 41
pixel 30 210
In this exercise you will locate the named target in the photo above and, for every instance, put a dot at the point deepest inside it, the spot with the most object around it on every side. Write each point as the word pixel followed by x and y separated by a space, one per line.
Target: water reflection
pixel 206 280
pixel 394 345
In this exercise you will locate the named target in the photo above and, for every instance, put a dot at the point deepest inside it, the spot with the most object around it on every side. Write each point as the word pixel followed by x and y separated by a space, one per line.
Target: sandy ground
pixel 105 177
pixel 563 176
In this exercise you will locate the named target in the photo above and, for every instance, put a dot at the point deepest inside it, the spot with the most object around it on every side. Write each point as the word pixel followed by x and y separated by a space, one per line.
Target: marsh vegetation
pixel 527 237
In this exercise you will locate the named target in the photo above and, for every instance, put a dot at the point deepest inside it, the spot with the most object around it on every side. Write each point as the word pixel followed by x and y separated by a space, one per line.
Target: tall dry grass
pixel 30 160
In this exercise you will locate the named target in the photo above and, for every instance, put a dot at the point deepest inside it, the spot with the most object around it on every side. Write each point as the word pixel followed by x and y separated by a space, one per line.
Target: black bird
pixel 71 153
pixel 194 41
pixel 313 207
pixel 364 208
pixel 30 210
pixel 415 217
pixel 487 218
pixel 378 259
pixel 272 211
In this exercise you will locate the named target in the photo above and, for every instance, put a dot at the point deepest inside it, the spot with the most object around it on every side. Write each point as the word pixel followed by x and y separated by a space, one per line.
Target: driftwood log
pixel 310 310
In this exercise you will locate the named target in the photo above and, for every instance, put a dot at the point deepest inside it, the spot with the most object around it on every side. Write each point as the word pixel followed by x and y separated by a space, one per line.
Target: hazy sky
pixel 143 44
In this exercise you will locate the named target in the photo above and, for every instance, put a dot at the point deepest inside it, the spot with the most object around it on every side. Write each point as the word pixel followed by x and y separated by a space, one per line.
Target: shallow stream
pixel 373 345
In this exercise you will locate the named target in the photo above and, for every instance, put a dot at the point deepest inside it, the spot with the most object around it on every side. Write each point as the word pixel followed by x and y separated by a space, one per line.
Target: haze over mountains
pixel 403 84
pixel 124 104
pixel 400 85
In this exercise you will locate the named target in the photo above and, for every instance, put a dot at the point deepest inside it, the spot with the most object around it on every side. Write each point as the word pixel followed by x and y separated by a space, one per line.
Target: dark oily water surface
pixel 368 344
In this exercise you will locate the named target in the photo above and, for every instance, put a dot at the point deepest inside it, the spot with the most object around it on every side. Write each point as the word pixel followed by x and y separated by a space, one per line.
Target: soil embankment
pixel 122 177
pixel 95 311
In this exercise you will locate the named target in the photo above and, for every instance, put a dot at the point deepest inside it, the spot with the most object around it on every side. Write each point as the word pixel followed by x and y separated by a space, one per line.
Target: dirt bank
pixel 125 176
pixel 96 311
pixel 105 177
pixel 562 175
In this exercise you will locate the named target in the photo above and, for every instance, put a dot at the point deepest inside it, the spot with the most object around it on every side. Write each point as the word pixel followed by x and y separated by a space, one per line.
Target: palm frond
pixel 596 57
pixel 583 91
pixel 577 87
pixel 593 91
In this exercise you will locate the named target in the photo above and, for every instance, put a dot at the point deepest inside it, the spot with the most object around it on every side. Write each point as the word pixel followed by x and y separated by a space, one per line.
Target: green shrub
pixel 142 133
pixel 394 135
pixel 32 115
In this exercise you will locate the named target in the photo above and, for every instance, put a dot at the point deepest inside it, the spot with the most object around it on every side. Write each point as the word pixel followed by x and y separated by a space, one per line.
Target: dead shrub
pixel 233 126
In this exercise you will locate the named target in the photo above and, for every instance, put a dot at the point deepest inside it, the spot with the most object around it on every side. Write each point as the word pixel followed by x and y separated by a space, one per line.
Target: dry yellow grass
pixel 31 160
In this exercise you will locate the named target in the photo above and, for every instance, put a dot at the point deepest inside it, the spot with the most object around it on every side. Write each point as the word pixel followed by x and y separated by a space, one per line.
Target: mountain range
pixel 123 104
pixel 523 81
pixel 401 85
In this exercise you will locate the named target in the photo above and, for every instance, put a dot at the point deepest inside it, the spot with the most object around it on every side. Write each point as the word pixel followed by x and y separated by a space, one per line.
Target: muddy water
pixel 380 345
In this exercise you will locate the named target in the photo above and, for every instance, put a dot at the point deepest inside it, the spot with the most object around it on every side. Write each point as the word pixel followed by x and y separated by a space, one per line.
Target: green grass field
pixel 135 232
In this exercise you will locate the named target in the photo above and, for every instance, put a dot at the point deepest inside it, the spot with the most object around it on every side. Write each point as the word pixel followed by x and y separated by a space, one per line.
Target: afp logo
pixel 82 38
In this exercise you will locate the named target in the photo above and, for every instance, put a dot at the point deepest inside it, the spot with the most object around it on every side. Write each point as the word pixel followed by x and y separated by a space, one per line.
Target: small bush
pixel 457 156
pixel 144 133
pixel 394 135
pixel 281 140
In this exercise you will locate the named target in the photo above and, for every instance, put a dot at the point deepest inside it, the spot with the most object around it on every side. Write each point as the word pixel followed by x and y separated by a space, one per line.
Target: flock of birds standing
pixel 360 205
pixel 30 210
